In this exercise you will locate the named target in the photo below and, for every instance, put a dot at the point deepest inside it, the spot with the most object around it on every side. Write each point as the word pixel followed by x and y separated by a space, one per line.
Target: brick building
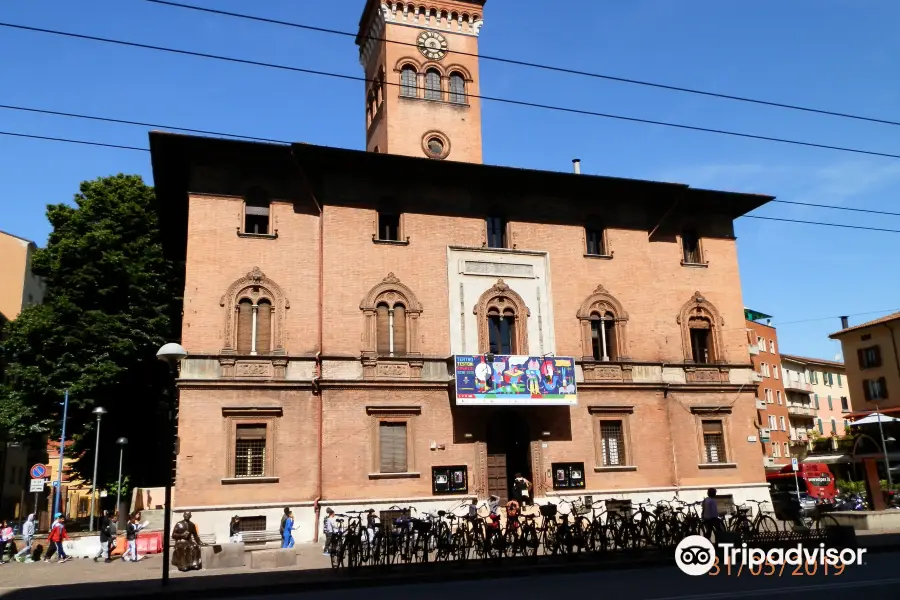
pixel 346 312
pixel 774 407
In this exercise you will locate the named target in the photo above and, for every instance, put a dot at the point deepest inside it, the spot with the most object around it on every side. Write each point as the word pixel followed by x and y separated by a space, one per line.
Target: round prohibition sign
pixel 38 471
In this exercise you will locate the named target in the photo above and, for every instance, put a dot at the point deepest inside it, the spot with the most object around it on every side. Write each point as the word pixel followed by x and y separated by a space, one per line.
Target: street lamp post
pixel 121 443
pixel 887 464
pixel 170 354
pixel 99 411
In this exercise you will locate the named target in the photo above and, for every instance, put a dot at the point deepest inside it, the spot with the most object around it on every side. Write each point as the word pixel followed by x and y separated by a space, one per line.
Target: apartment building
pixel 873 363
pixel 772 405
pixel 819 396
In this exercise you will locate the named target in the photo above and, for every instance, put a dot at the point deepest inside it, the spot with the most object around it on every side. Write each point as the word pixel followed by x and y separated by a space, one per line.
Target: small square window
pixel 392 447
pixel 714 442
pixel 596 244
pixel 250 451
pixel 388 227
pixel 612 443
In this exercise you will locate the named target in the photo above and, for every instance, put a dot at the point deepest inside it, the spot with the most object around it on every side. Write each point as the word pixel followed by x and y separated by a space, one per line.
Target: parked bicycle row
pixel 491 531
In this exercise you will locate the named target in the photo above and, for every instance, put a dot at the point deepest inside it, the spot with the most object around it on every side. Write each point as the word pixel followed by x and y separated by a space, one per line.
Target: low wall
pixel 869 520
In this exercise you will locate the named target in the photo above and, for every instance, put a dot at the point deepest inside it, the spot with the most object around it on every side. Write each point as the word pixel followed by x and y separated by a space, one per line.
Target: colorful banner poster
pixel 515 380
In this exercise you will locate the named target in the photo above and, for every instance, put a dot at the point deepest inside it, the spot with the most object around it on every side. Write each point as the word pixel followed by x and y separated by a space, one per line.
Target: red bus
pixel 815 481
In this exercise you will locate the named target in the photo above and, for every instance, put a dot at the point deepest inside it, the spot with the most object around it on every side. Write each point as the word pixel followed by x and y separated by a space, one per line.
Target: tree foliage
pixel 110 302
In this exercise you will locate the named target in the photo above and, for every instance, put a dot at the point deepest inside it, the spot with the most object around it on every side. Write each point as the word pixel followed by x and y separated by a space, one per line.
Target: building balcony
pixel 794 385
pixel 801 410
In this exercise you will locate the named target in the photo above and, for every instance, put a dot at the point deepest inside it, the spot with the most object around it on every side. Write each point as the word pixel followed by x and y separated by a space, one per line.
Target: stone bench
pixel 273 559
pixel 260 537
pixel 223 556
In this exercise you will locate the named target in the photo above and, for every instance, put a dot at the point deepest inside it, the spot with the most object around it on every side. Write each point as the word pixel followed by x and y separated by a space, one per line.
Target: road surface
pixel 878 579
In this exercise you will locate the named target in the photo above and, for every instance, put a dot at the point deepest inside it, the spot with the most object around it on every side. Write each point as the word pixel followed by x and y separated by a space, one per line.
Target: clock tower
pixel 421 63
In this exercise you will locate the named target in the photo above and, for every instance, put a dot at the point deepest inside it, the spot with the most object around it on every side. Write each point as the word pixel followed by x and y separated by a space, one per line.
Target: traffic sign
pixel 794 465
pixel 37 485
pixel 38 471
pixel 56 483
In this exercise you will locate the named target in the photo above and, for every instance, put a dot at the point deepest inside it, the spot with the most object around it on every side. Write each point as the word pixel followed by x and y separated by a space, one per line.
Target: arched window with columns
pixel 502 321
pixel 701 326
pixel 409 86
pixel 603 327
pixel 254 316
pixel 391 312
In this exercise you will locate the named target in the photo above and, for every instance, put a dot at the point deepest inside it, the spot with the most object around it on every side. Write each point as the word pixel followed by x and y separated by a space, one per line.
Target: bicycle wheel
pixel 826 521
pixel 766 524
pixel 337 554
pixel 530 542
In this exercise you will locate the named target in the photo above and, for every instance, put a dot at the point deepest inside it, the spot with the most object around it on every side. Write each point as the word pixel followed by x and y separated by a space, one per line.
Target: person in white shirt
pixel 24 554
pixel 328 529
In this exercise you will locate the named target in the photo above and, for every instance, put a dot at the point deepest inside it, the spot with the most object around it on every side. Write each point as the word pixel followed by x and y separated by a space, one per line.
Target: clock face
pixel 432 45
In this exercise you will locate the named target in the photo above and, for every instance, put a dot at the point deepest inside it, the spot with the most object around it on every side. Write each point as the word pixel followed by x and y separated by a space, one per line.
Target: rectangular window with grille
pixel 250 451
pixel 392 447
pixel 714 442
pixel 253 524
pixel 612 443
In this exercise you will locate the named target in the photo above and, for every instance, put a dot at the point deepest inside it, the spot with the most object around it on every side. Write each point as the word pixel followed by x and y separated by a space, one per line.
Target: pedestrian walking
pixel 711 521
pixel 521 490
pixel 287 535
pixel 131 535
pixel 106 542
pixel 55 540
pixel 287 511
pixel 24 555
pixel 7 540
pixel 328 529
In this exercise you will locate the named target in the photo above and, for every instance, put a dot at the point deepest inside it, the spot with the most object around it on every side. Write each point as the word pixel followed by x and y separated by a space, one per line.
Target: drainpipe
pixel 317 379
pixel 672 441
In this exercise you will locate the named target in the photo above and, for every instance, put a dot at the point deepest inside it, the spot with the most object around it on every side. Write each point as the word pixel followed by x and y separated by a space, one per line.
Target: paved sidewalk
pixel 15 576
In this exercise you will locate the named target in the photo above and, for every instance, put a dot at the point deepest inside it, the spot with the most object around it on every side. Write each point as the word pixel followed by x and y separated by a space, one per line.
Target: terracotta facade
pixel 360 276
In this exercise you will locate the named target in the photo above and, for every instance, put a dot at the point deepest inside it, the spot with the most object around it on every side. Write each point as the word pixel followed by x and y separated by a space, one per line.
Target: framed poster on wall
pixel 568 476
pixel 450 480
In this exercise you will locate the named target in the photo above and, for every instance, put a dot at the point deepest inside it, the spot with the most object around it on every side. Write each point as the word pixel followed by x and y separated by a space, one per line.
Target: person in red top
pixel 56 538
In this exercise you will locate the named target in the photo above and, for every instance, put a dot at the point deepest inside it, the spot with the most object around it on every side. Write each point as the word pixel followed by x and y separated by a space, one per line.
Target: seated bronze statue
pixel 186 556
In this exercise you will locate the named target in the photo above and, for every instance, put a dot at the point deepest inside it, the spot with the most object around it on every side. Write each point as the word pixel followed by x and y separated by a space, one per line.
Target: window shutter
pixel 860 358
pixel 821 428
pixel 816 400
pixel 830 406
pixel 392 447
pixel 882 383
pixel 382 333
pixel 877 356
pixel 399 330
pixel 867 389
pixel 264 328
pixel 833 427
pixel 244 326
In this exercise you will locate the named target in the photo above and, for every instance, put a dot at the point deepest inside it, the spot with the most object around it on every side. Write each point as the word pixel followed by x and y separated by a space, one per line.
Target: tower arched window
pixel 391 313
pixel 603 330
pixel 254 316
pixel 432 85
pixel 457 88
pixel 408 84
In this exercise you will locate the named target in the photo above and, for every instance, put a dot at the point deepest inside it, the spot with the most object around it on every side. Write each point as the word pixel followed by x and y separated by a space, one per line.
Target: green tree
pixel 110 302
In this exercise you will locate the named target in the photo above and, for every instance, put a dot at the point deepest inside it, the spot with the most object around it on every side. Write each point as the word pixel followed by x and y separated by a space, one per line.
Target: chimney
pixel 576 163
pixel 845 322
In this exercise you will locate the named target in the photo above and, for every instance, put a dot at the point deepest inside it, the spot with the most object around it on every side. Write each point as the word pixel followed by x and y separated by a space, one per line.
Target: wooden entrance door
pixel 496 473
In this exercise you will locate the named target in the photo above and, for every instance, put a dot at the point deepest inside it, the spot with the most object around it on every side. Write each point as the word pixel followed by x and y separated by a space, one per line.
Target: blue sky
pixel 832 54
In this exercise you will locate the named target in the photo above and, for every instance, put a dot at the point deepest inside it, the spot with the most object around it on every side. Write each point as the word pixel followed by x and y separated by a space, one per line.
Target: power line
pixel 123 147
pixel 544 67
pixel 71 141
pixel 823 224
pixel 871 312
pixel 508 101
pixel 44 111
pixel 862 210
pixel 139 123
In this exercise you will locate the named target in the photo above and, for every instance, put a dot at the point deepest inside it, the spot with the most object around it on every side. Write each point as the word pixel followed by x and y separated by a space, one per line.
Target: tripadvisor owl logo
pixel 695 555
